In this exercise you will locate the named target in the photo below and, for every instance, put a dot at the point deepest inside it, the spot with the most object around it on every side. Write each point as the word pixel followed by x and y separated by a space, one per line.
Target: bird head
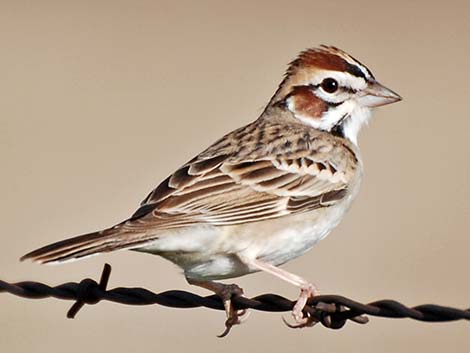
pixel 329 90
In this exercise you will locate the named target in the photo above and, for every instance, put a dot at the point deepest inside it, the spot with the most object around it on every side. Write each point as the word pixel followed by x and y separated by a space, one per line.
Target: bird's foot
pixel 302 319
pixel 234 317
pixel 226 292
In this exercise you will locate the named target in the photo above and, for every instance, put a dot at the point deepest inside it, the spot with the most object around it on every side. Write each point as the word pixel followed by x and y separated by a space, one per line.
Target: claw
pixel 235 317
pixel 245 314
pixel 226 331
pixel 305 322
pixel 301 319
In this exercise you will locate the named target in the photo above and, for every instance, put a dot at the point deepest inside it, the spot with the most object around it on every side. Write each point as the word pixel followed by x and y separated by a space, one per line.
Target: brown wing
pixel 226 189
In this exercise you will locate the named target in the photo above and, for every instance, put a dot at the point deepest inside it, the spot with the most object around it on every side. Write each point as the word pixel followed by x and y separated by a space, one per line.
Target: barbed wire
pixel 332 311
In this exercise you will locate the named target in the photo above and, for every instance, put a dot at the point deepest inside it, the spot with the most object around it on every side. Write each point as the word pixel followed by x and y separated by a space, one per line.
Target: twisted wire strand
pixel 333 311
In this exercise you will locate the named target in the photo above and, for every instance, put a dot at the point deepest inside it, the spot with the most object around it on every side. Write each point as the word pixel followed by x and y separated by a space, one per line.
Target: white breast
pixel 208 252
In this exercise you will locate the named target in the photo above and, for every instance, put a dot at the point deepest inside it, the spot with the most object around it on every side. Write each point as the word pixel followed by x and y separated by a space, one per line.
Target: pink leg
pixel 307 290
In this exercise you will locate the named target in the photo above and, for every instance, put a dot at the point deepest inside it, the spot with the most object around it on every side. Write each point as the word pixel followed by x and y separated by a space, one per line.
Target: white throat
pixel 355 121
pixel 350 114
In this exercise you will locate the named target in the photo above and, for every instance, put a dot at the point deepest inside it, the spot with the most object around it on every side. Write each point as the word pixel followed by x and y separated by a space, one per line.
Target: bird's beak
pixel 376 95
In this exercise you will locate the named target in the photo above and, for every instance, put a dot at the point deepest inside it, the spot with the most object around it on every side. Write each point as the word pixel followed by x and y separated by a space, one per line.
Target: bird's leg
pixel 307 290
pixel 225 292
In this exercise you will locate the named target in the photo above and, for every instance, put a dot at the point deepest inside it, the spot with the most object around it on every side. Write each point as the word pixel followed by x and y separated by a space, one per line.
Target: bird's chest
pixel 289 238
pixel 280 240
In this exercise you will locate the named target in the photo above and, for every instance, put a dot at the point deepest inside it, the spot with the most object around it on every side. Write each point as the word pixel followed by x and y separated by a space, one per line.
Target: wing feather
pixel 223 190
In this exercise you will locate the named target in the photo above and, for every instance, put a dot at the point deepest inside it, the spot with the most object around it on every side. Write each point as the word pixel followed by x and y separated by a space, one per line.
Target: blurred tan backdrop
pixel 99 101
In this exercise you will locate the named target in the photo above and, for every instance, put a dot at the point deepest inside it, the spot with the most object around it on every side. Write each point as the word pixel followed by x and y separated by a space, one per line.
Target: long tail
pixel 85 245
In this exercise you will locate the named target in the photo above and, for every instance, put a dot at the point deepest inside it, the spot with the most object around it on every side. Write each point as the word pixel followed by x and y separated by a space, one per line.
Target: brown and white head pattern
pixel 329 90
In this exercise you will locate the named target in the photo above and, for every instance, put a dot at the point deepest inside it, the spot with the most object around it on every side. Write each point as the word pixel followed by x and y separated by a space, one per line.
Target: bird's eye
pixel 329 85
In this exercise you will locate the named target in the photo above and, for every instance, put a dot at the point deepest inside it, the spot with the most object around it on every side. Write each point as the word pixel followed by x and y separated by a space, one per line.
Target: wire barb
pixel 85 294
pixel 332 311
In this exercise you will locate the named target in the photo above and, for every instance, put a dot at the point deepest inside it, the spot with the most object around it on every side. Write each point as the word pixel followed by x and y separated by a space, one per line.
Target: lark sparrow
pixel 262 194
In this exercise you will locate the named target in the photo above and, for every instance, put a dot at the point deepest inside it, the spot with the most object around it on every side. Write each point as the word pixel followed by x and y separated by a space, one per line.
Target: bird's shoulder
pixel 274 158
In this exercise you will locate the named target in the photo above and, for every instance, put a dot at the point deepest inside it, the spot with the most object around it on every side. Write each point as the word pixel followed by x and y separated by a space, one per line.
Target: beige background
pixel 99 102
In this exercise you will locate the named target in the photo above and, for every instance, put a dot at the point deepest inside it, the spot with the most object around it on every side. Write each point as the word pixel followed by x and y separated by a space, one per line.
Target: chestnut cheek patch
pixel 306 104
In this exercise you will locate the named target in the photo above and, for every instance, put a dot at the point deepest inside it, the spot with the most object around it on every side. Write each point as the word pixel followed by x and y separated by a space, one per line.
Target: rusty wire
pixel 333 311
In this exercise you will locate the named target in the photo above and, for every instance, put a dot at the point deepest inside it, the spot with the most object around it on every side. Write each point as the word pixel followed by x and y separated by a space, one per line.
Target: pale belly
pixel 208 252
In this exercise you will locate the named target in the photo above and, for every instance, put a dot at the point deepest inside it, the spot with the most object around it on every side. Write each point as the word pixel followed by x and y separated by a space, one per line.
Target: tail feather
pixel 85 245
